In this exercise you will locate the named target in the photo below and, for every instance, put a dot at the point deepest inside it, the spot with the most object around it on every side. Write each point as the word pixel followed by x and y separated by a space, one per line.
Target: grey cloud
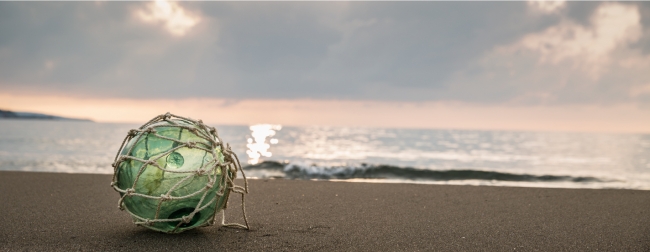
pixel 356 50
pixel 406 45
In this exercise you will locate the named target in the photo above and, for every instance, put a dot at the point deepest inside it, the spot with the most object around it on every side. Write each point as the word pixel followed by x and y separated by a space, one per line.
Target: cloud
pixel 641 90
pixel 613 26
pixel 564 63
pixel 547 6
pixel 476 52
pixel 175 19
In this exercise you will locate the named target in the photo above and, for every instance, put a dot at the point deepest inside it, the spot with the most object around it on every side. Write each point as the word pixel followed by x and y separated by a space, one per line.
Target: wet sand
pixel 62 212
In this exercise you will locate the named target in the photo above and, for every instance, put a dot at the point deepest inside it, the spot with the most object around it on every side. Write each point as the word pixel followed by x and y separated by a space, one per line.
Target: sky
pixel 550 66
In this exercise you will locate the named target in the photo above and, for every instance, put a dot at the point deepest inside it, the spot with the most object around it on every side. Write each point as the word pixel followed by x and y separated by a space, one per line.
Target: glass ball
pixel 152 201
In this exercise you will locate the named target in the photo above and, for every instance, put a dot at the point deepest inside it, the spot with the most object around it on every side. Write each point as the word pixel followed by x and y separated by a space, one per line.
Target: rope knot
pixel 167 116
pixel 186 219
pixel 190 145
pixel 209 186
pixel 130 191
pixel 132 132
pixel 148 222
pixel 201 172
pixel 164 197
pixel 150 130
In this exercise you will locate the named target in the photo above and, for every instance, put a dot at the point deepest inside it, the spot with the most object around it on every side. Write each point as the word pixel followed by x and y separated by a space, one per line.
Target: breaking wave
pixel 366 171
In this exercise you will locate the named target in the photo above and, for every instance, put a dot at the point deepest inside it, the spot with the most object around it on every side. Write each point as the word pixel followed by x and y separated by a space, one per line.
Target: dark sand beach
pixel 48 211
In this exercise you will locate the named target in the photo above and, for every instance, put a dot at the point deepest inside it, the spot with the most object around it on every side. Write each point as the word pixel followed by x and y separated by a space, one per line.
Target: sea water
pixel 357 154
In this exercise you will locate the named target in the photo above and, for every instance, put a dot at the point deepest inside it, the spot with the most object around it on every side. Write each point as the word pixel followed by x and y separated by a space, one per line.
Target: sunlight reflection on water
pixel 257 146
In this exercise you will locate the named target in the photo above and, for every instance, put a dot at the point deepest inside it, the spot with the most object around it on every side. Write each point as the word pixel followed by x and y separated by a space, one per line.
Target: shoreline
pixel 479 183
pixel 58 211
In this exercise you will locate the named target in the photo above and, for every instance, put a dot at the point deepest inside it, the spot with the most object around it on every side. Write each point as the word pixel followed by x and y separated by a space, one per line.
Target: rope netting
pixel 221 170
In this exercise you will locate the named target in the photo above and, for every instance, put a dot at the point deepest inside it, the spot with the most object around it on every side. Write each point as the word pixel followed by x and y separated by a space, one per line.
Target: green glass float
pixel 175 174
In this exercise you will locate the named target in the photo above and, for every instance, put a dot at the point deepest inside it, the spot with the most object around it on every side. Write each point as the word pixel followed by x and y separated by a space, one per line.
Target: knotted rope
pixel 228 168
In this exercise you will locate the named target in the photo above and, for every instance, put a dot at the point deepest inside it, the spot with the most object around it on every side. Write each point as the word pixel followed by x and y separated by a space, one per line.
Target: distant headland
pixel 6 114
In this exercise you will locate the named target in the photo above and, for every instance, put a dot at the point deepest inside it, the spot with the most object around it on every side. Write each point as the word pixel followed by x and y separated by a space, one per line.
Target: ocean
pixel 356 154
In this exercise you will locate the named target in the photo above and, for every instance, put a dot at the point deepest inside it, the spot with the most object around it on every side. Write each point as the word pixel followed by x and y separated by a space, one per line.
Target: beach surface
pixel 63 212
